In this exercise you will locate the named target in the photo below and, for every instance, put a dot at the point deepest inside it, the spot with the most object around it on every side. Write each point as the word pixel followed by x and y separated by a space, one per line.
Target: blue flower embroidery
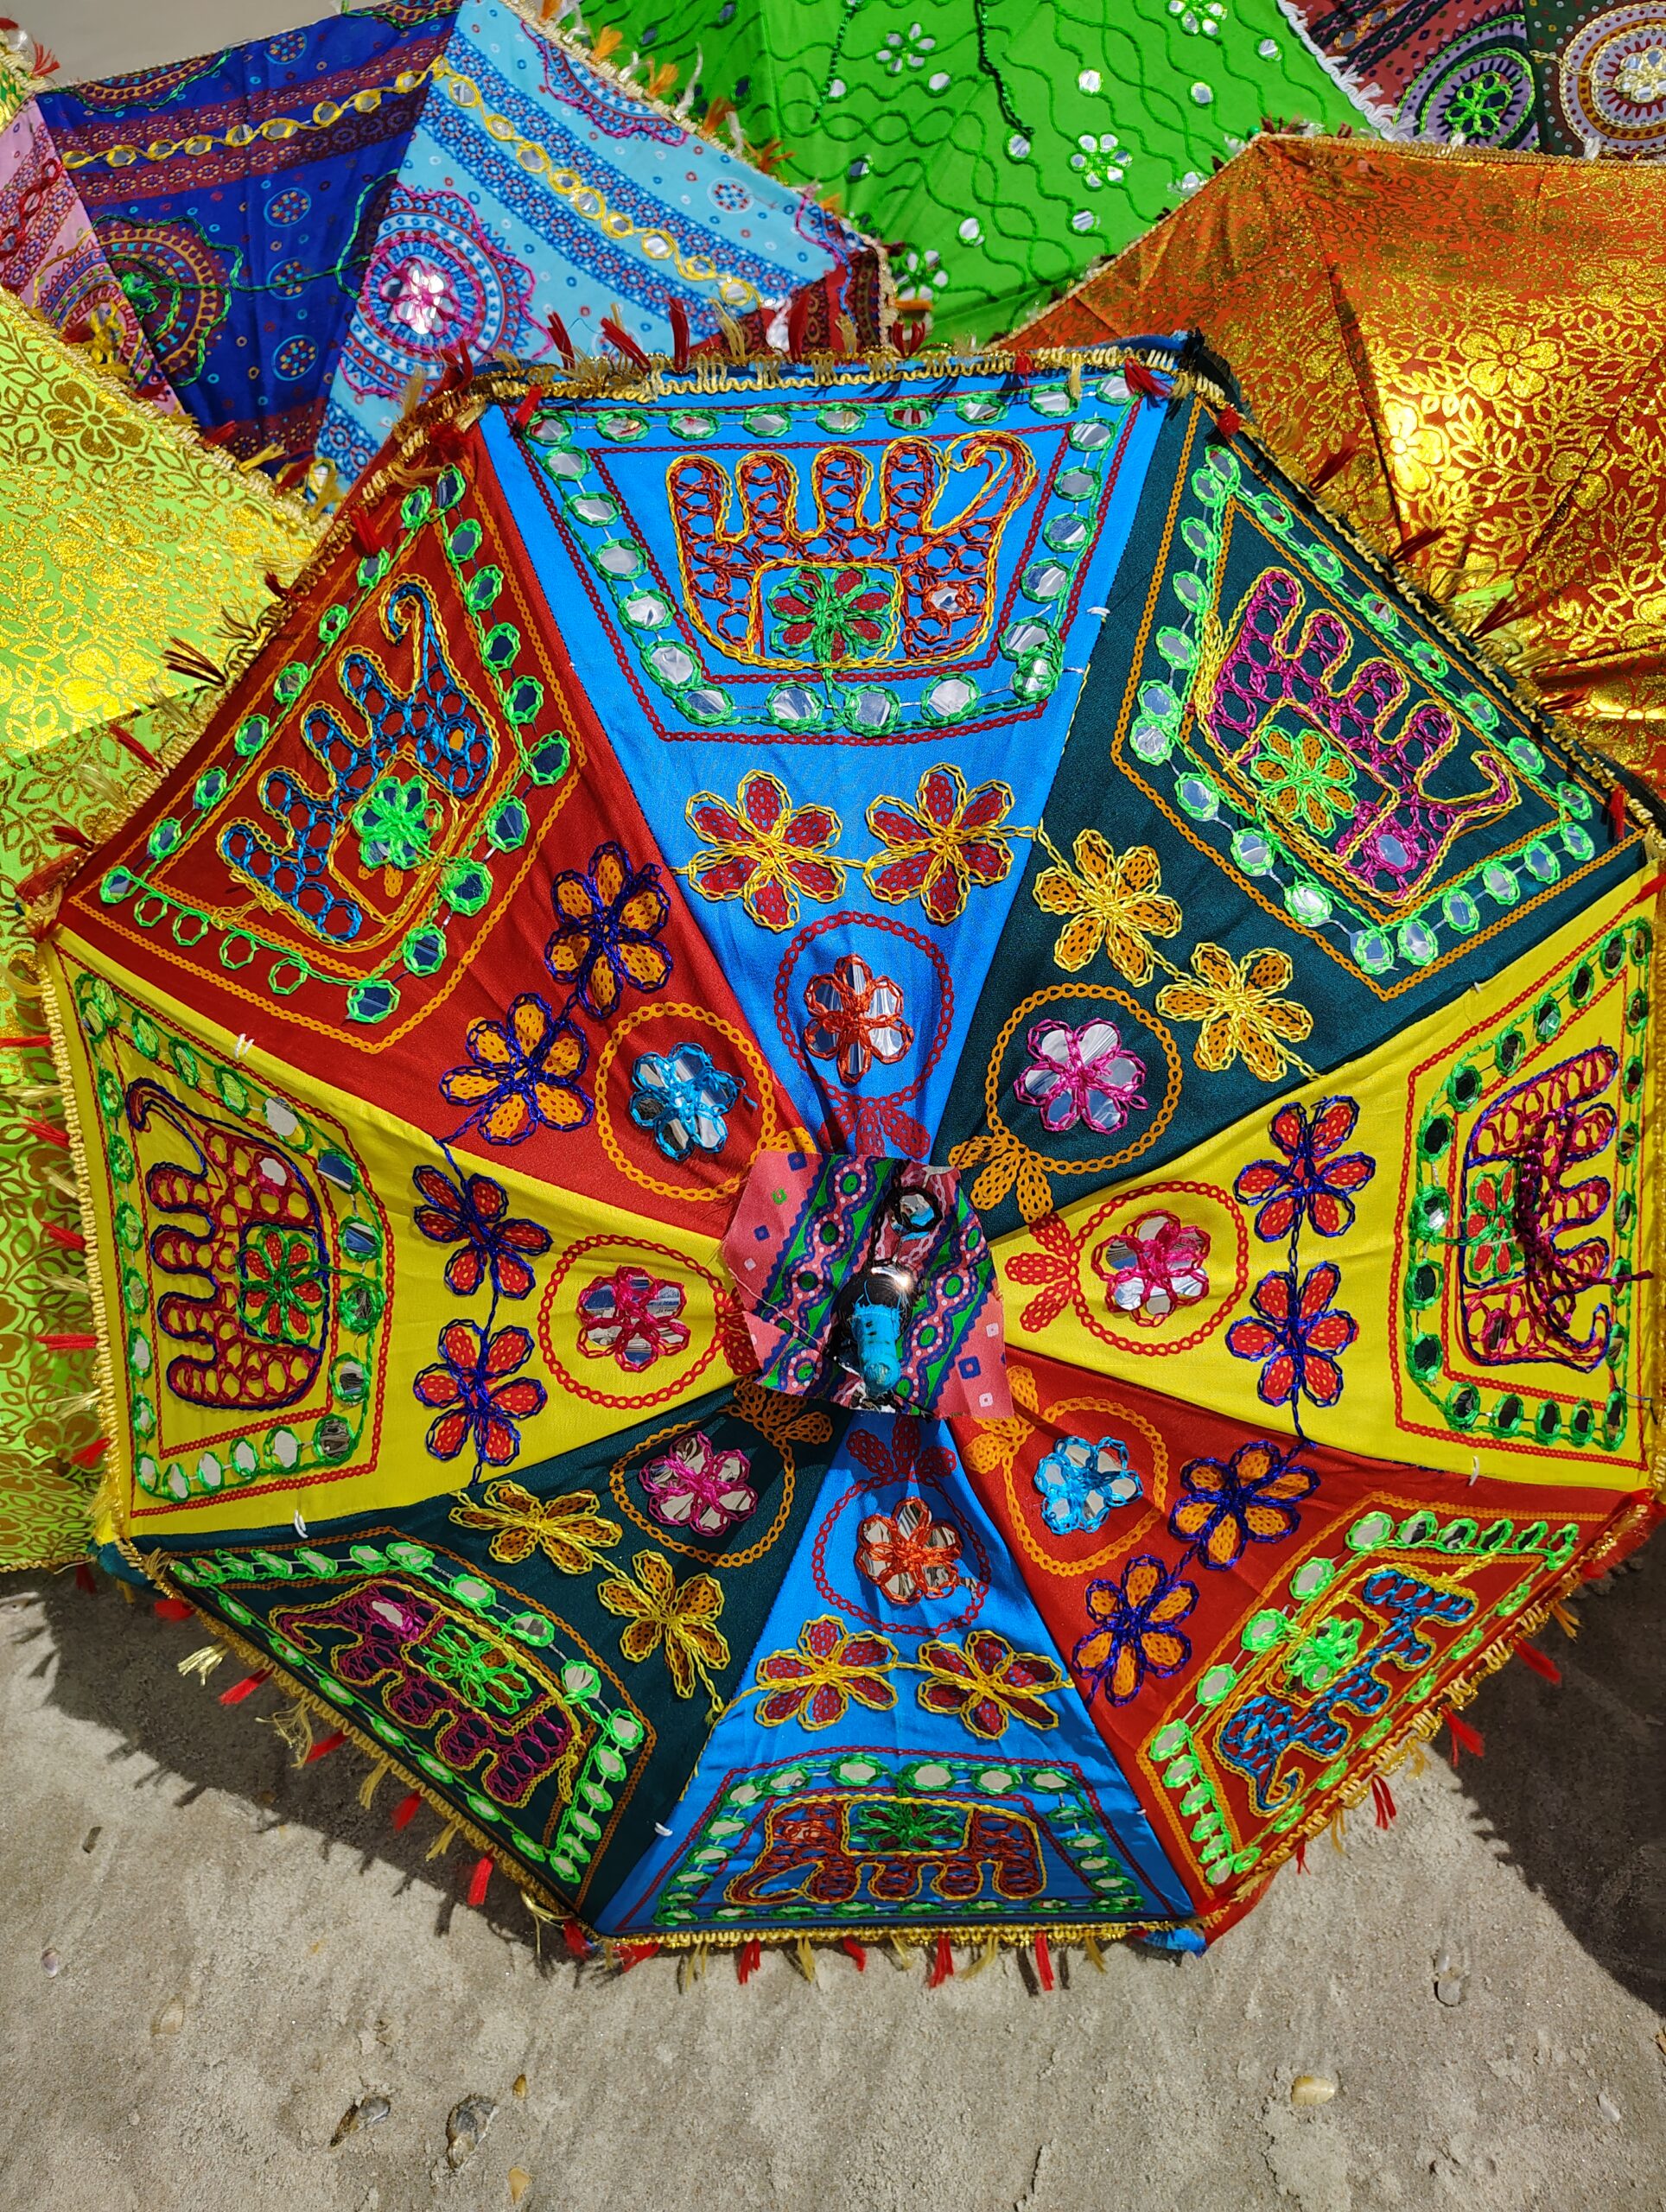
pixel 683 1099
pixel 1080 1482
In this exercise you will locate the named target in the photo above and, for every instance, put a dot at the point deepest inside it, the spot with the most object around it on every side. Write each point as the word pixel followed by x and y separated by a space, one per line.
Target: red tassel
pixel 1301 1856
pixel 1532 1657
pixel 67 1340
pixel 90 1454
pixel 573 1936
pixel 407 1809
pixel 747 1959
pixel 27 1044
pixel 1383 1801
pixel 1464 1737
pixel 854 1951
pixel 363 535
pixel 797 322
pixel 681 350
pixel 622 342
pixel 46 1132
pixel 525 407
pixel 1138 378
pixel 1506 610
pixel 1619 820
pixel 325 1745
pixel 64 833
pixel 632 1955
pixel 1563 702
pixel 1043 1962
pixel 1333 464
pixel 246 1687
pixel 557 330
pixel 171 1609
pixel 67 1240
pixel 1408 546
pixel 142 753
pixel 943 1965
pixel 1228 423
pixel 479 1881
pixel 84 1578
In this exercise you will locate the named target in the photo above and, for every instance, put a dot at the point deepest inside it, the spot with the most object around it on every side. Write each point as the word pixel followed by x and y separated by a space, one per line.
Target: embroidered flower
pixel 1081 1075
pixel 1297 1335
pixel 283 1298
pixel 1116 903
pixel 1079 1483
pixel 764 851
pixel 1238 1004
pixel 607 924
pixel 984 1682
pixel 814 1684
pixel 525 1075
pixel 696 1486
pixel 392 820
pixel 571 1531
pixel 1250 1499
pixel 1311 1180
pixel 472 1395
pixel 909 1555
pixel 832 617
pixel 1140 1612
pixel 935 850
pixel 684 1098
pixel 1154 1267
pixel 1308 779
pixel 678 1618
pixel 1329 1651
pixel 855 1018
pixel 1491 1244
pixel 631 1317
pixel 422 296
pixel 472 1213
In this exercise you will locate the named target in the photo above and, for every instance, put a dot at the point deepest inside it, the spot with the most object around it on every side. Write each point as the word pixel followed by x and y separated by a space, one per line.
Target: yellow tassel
pixel 1565 1618
pixel 806 1959
pixel 295 1725
pixel 1096 1951
pixel 540 1919
pixel 441 1842
pixel 734 337
pixel 987 1952
pixel 902 1954
pixel 1074 383
pixel 1418 1759
pixel 691 1967
pixel 259 460
pixel 128 1592
pixel 605 41
pixel 202 1663
pixel 372 1782
pixel 1336 1829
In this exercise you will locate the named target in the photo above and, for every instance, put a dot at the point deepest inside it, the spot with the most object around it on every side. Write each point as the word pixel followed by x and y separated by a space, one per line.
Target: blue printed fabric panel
pixel 535 186
pixel 907 1749
pixel 836 641
pixel 236 197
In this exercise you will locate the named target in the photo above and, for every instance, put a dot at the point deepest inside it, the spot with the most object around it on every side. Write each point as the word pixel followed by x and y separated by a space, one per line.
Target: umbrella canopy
pixel 1459 71
pixel 866 1153
pixel 1601 76
pixel 1006 144
pixel 121 542
pixel 1477 341
pixel 310 225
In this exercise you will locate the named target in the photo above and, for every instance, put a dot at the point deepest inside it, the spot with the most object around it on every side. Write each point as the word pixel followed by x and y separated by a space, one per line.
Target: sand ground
pixel 243 1953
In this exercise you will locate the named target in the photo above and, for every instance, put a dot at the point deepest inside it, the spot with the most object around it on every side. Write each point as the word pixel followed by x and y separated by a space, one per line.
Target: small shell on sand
pixel 1312 2089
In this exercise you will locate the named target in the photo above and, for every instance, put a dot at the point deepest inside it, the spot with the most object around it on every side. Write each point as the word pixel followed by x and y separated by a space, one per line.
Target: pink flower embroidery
pixel 632 1316
pixel 425 303
pixel 1081 1075
pixel 855 1018
pixel 1153 1268
pixel 696 1486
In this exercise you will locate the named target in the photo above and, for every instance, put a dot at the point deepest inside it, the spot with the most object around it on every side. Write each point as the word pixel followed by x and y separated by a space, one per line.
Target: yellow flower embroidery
pixel 1116 903
pixel 1238 1004
pixel 676 1616
pixel 1508 358
pixel 570 1531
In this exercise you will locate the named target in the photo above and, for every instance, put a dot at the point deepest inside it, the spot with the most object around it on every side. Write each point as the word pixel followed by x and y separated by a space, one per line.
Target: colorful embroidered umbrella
pixel 867 1155
pixel 1465 349
pixel 310 225
pixel 1006 144
pixel 1601 77
pixel 121 545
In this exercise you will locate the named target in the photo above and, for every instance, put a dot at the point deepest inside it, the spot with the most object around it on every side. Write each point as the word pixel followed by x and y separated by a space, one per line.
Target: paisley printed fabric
pixel 1431 331
pixel 866 1150
pixel 1459 71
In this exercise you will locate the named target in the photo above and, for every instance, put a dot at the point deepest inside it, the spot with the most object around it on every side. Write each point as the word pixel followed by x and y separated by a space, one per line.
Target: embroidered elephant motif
pixel 832 1849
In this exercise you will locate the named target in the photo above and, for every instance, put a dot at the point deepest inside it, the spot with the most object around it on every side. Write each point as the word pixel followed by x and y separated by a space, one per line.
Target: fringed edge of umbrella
pixel 547 1906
